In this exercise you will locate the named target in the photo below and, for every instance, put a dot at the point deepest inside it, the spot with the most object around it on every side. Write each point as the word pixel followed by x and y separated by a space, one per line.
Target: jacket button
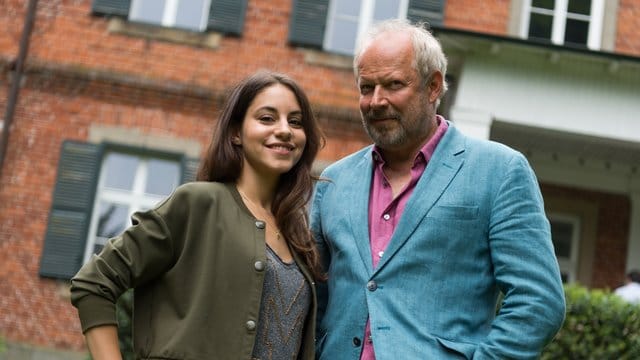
pixel 357 341
pixel 250 325
pixel 260 224
pixel 372 286
pixel 258 265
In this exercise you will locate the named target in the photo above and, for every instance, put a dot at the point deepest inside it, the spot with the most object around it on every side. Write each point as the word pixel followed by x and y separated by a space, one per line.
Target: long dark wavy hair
pixel 223 162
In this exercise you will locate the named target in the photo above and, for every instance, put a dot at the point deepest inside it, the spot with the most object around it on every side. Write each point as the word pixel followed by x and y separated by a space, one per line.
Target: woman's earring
pixel 235 140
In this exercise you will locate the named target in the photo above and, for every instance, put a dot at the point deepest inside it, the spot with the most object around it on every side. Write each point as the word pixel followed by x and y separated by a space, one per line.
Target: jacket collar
pixel 446 162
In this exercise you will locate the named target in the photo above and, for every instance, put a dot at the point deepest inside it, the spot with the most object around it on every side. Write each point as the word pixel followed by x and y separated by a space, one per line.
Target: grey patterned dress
pixel 286 298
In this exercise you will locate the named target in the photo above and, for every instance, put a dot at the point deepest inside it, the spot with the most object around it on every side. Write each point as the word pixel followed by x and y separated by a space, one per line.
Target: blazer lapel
pixel 442 168
pixel 358 193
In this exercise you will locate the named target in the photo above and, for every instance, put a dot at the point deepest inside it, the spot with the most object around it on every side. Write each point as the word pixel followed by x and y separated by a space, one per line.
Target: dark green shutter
pixel 427 11
pixel 308 22
pixel 189 169
pixel 227 16
pixel 70 214
pixel 111 7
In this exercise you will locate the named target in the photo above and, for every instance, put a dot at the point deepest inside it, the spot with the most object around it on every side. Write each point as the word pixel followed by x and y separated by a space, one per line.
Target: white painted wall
pixel 568 94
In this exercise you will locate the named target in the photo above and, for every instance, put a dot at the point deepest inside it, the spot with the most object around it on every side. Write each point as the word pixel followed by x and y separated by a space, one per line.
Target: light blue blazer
pixel 474 227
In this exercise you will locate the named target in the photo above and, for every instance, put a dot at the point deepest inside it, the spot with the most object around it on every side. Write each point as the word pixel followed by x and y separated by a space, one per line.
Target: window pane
pixel 149 11
pixel 562 235
pixel 576 32
pixel 189 14
pixel 344 35
pixel 97 248
pixel 112 219
pixel 386 9
pixel 347 7
pixel 540 26
pixel 162 177
pixel 120 169
pixel 99 244
pixel 545 4
pixel 579 7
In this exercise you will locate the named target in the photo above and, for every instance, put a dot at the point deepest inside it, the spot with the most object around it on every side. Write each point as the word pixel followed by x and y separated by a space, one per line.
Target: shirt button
pixel 386 217
pixel 372 286
pixel 250 325
pixel 258 265
pixel 369 339
pixel 357 341
pixel 380 253
pixel 260 224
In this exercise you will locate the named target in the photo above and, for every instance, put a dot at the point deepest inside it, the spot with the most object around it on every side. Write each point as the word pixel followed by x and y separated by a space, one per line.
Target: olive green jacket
pixel 196 262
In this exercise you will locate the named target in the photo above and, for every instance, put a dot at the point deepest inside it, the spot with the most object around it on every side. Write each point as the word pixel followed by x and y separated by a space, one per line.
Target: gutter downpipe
pixel 16 79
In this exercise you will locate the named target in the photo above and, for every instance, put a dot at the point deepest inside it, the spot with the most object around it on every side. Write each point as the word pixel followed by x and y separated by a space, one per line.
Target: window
pixel 334 25
pixel 183 14
pixel 565 233
pixel 127 183
pixel 98 187
pixel 568 22
pixel 225 16
pixel 348 19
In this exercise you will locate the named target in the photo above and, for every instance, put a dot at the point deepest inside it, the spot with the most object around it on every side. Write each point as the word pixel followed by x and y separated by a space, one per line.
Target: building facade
pixel 108 104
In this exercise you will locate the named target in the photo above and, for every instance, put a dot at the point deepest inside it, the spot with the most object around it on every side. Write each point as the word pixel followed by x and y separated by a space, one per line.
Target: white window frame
pixel 171 12
pixel 135 199
pixel 569 265
pixel 560 15
pixel 365 19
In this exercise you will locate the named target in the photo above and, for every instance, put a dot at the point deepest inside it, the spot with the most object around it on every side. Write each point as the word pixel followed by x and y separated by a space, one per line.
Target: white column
pixel 472 122
pixel 633 255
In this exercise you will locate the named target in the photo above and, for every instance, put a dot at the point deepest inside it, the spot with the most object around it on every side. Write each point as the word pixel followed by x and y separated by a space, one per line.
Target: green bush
pixel 598 325
pixel 124 313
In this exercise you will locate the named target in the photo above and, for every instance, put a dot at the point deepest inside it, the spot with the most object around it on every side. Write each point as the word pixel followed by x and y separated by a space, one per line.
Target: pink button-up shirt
pixel 385 210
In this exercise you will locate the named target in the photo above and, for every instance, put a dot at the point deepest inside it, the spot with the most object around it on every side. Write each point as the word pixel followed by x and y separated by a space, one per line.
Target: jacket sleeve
pixel 139 254
pixel 525 268
pixel 323 250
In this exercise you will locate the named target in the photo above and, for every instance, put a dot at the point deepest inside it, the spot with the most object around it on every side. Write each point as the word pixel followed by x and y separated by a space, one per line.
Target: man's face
pixel 397 108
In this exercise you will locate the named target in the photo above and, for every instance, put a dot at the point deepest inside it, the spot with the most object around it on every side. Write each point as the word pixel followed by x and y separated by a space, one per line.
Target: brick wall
pixel 628 36
pixel 612 232
pixel 263 45
pixel 488 16
pixel 12 20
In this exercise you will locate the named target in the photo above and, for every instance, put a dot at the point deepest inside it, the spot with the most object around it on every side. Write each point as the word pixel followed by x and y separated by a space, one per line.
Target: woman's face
pixel 272 135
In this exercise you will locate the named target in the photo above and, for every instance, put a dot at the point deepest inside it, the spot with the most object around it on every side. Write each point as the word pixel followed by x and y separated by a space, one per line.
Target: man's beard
pixel 392 133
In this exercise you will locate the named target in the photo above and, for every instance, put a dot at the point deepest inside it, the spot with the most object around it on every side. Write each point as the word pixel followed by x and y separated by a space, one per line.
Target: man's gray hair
pixel 428 58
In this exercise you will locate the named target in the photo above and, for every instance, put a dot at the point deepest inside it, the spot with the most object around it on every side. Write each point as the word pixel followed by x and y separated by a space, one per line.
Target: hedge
pixel 598 325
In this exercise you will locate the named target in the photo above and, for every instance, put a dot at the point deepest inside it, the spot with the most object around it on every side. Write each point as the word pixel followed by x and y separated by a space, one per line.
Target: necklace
pixel 266 215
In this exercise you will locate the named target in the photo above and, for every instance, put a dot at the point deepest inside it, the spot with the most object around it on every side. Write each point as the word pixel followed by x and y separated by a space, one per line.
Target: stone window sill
pixel 206 39
pixel 321 58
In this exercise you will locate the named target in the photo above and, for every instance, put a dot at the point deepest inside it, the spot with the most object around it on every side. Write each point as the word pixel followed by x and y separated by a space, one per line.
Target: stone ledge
pixel 209 40
pixel 18 351
pixel 318 57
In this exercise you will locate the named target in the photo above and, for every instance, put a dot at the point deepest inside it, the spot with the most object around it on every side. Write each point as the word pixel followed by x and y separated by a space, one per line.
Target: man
pixel 630 292
pixel 420 232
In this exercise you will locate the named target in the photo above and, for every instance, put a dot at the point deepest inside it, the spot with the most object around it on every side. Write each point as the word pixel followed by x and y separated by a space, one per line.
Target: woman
pixel 224 268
